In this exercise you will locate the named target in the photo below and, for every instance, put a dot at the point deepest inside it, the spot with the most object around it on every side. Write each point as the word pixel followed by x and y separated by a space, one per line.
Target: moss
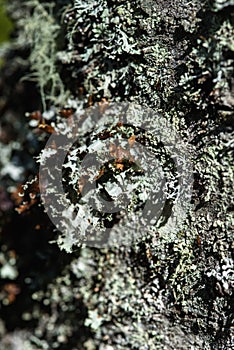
pixel 6 25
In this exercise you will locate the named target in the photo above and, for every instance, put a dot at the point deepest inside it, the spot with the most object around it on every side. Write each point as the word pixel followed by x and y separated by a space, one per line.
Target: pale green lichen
pixel 163 292
pixel 40 32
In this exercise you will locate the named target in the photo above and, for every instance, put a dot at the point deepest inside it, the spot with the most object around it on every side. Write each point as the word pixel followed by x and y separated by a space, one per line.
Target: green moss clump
pixel 6 25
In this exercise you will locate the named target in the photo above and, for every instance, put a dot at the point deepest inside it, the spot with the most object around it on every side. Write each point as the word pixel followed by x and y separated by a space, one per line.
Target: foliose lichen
pixel 163 292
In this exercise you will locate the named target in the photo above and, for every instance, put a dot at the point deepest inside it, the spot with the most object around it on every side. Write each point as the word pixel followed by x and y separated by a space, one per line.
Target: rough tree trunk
pixel 167 290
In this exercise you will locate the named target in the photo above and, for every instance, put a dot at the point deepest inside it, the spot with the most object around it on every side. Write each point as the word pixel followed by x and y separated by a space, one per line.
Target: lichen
pixel 40 32
pixel 164 291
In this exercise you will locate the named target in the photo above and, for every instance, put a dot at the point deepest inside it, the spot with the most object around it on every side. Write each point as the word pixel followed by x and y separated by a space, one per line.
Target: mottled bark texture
pixel 163 292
